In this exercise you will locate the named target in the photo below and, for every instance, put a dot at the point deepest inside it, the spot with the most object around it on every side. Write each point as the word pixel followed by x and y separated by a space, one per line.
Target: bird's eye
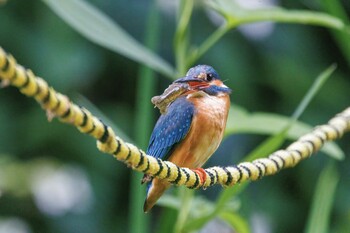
pixel 209 77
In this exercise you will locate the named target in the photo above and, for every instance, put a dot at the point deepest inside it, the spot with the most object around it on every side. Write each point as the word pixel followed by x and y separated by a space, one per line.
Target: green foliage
pixel 283 126
pixel 236 15
pixel 242 121
pixel 98 28
pixel 323 199
pixel 236 221
pixel 269 76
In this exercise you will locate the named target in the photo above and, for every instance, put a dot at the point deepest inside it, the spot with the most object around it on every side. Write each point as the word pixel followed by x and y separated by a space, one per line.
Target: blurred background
pixel 53 179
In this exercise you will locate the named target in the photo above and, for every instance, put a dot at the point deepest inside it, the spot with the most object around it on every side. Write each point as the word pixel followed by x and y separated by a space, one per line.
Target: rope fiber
pixel 58 105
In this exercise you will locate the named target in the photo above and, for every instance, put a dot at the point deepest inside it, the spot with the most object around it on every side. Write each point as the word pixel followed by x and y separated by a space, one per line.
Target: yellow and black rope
pixel 58 105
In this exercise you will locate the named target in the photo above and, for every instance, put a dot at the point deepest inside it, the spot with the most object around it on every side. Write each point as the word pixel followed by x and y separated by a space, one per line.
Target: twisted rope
pixel 58 105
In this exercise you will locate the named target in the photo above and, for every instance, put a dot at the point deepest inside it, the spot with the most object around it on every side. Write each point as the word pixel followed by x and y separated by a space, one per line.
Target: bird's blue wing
pixel 171 128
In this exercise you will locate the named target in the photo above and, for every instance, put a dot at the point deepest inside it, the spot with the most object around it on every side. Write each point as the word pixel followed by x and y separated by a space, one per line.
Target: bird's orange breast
pixel 206 132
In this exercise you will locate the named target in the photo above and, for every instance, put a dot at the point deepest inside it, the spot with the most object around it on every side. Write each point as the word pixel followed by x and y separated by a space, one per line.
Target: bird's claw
pixel 4 83
pixel 146 178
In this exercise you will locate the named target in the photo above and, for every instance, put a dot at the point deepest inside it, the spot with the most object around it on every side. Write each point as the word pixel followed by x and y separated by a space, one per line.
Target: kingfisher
pixel 191 128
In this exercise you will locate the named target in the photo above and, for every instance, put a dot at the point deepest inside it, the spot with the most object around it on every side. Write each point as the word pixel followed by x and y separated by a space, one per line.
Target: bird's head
pixel 204 78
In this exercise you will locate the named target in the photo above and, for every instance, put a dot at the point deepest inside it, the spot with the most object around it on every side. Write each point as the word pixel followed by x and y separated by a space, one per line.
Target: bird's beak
pixel 194 83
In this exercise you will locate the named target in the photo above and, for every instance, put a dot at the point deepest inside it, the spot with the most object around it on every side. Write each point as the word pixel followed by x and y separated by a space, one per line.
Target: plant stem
pixel 207 44
pixel 290 16
pixel 181 35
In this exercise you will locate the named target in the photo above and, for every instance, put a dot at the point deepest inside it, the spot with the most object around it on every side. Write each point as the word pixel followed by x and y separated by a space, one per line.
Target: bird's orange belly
pixel 206 131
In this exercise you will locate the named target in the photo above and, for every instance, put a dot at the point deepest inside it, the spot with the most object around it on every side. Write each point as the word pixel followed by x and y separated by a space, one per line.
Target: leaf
pixel 236 15
pixel 240 121
pixel 319 217
pixel 238 223
pixel 196 206
pixel 204 211
pixel 316 86
pixel 169 201
pixel 100 29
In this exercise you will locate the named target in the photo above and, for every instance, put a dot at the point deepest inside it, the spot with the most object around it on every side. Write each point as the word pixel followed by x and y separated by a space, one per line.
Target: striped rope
pixel 58 105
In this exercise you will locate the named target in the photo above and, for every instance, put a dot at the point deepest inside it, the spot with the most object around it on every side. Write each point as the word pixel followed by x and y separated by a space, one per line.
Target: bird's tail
pixel 154 191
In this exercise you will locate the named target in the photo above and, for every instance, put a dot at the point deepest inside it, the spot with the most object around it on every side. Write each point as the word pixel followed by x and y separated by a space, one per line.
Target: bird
pixel 191 128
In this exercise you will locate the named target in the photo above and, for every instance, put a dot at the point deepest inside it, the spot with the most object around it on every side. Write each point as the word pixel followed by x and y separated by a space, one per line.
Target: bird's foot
pixel 146 179
pixel 201 173
pixel 50 115
pixel 5 83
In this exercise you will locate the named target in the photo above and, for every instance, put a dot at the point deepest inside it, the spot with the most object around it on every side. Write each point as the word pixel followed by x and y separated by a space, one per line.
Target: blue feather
pixel 171 128
pixel 214 90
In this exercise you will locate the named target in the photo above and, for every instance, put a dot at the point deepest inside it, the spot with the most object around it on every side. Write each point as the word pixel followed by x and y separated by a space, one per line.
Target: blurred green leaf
pixel 198 223
pixel 100 29
pixel 240 121
pixel 203 210
pixel 268 146
pixel 237 15
pixel 314 89
pixel 199 208
pixel 212 210
pixel 170 201
pixel 319 216
pixel 238 223
pixel 199 204
pixel 335 8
